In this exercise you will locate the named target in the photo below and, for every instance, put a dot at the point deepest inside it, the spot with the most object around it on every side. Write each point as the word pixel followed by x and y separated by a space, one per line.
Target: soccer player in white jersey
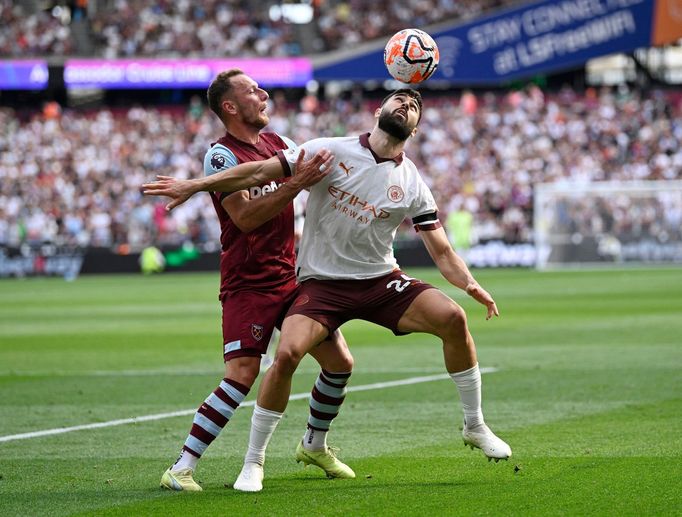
pixel 348 270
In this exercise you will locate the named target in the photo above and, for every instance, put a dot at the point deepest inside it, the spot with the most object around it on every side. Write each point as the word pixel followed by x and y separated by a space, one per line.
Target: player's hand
pixel 483 297
pixel 178 190
pixel 309 172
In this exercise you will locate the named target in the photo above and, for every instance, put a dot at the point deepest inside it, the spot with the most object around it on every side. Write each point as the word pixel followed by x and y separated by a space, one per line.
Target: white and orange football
pixel 411 56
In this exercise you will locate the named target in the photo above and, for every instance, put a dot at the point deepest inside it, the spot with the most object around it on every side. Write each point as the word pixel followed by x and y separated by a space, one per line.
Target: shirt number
pixel 398 285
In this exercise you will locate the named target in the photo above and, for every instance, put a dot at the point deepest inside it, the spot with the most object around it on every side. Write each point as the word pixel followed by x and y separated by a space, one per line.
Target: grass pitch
pixel 588 393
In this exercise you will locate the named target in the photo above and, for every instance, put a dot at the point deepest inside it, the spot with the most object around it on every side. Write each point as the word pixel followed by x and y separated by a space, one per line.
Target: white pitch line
pixel 167 373
pixel 162 416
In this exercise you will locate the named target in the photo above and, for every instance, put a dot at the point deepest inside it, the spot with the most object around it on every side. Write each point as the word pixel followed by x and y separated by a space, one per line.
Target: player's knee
pixel 287 360
pixel 245 377
pixel 456 321
pixel 243 370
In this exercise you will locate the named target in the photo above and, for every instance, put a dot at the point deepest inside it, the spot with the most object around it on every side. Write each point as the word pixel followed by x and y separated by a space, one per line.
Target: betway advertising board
pixel 539 37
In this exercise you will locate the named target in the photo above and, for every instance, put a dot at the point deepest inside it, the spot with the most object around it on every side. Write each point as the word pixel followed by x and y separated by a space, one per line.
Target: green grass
pixel 588 394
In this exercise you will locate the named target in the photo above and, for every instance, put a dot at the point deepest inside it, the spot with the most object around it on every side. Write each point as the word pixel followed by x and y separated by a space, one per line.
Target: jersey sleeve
pixel 290 143
pixel 424 212
pixel 289 156
pixel 219 158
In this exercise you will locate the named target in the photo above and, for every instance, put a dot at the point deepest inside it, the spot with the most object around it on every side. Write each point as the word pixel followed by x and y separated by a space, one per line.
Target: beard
pixel 257 120
pixel 260 121
pixel 394 126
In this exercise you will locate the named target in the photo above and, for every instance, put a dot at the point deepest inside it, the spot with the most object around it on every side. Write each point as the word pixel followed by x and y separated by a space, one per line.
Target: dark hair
pixel 410 93
pixel 218 88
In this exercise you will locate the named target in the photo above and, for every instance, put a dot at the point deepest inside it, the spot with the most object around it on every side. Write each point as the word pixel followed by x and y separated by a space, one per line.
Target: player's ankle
pixel 314 439
pixel 186 461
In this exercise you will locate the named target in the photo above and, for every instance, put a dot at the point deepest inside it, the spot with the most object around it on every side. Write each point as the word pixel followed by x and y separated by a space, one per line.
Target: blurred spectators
pixel 244 28
pixel 347 23
pixel 214 28
pixel 26 34
pixel 187 28
pixel 72 177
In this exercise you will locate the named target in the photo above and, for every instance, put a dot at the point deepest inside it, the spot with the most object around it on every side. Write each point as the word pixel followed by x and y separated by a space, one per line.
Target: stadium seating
pixel 211 28
pixel 72 177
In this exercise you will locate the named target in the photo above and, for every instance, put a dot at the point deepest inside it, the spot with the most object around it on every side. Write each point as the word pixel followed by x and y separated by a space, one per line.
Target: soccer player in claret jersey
pixel 257 282
pixel 347 267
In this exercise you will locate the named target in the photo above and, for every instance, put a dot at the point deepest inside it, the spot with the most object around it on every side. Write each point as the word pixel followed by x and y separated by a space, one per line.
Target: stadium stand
pixel 32 32
pixel 350 23
pixel 71 177
pixel 161 28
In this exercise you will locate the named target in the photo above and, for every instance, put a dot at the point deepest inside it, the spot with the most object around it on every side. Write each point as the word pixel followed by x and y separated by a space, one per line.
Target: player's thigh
pixel 299 335
pixel 243 369
pixel 249 318
pixel 433 312
pixel 333 354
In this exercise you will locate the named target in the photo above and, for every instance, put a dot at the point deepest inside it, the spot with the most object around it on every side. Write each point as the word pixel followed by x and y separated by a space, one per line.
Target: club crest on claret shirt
pixel 257 331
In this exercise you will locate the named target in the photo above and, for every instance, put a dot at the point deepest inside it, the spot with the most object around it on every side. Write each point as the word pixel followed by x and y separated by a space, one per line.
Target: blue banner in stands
pixel 23 75
pixel 536 38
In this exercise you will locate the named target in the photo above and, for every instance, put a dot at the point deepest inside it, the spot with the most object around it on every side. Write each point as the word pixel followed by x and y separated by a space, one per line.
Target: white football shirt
pixel 353 213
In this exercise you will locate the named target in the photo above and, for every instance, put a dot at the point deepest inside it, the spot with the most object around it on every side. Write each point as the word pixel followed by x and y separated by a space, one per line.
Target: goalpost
pixel 611 222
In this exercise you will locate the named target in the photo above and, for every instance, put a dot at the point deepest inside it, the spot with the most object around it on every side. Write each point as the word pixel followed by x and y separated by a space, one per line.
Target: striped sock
pixel 209 420
pixel 325 403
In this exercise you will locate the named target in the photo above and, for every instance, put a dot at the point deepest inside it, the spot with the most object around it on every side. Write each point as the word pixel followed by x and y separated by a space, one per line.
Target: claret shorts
pixel 382 300
pixel 249 318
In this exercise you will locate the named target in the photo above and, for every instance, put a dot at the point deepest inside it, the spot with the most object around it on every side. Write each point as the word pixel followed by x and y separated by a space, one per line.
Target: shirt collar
pixel 230 136
pixel 364 142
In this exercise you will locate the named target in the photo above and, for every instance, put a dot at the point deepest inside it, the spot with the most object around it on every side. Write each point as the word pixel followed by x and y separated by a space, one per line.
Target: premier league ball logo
pixel 217 161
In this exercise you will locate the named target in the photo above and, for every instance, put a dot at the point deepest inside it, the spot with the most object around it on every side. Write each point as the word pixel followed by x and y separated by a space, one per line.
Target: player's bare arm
pixel 455 270
pixel 250 213
pixel 236 178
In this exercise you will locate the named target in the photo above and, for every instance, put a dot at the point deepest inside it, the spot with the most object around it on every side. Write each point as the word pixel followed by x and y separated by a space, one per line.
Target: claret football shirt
pixel 263 258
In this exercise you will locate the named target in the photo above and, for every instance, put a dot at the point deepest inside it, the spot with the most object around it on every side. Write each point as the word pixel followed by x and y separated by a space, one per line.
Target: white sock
pixel 469 386
pixel 314 439
pixel 185 461
pixel 263 424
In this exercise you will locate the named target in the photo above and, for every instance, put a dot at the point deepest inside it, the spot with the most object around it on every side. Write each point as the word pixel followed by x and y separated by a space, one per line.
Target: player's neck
pixel 385 145
pixel 248 134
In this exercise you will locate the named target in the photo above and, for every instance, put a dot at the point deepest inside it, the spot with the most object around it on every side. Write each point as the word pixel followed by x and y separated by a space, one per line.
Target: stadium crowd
pixel 211 28
pixel 191 29
pixel 34 34
pixel 73 177
pixel 344 23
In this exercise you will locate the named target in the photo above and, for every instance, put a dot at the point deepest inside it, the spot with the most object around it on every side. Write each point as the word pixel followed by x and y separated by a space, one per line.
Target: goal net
pixel 637 222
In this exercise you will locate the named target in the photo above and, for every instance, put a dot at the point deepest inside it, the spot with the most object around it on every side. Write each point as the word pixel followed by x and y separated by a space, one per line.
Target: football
pixel 411 56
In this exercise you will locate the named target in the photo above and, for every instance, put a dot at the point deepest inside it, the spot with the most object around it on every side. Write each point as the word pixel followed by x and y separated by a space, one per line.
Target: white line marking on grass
pixel 160 372
pixel 184 412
